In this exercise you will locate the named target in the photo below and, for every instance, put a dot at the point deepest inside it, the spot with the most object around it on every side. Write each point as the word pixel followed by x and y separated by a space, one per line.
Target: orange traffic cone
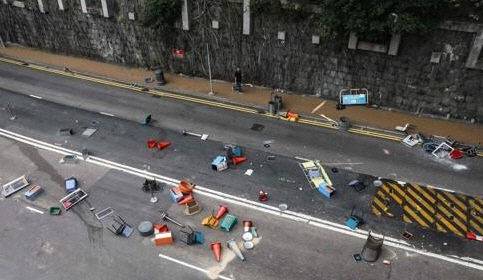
pixel 151 143
pixel 216 248
pixel 186 199
pixel 162 145
pixel 238 160
pixel 221 212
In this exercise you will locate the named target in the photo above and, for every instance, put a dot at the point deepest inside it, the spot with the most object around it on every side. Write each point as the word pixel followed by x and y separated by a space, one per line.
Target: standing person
pixel 238 80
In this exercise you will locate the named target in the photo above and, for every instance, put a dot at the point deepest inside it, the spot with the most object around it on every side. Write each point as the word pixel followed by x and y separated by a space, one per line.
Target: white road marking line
pixel 36 96
pixel 327 118
pixel 300 217
pixel 301 158
pixel 341 163
pixel 106 114
pixel 192 266
pixel 318 107
pixel 34 210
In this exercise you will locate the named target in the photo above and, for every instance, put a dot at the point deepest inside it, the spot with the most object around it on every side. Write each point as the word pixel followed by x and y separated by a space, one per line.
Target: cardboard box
pixel 164 238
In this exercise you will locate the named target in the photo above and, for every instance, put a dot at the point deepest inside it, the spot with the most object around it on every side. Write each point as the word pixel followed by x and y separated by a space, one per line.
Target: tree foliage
pixel 161 14
pixel 376 18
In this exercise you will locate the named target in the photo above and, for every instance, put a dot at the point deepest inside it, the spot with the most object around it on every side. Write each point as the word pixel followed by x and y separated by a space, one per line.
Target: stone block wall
pixel 406 81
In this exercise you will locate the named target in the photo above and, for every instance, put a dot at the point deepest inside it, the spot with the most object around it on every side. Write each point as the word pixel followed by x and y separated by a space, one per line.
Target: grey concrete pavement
pixel 359 154
pixel 124 142
pixel 74 246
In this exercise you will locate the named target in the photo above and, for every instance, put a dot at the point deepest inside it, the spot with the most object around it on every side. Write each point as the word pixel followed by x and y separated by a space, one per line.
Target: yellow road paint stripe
pixel 394 196
pixel 456 200
pixel 398 188
pixel 375 211
pixel 474 204
pixel 422 211
pixel 455 220
pixel 316 123
pixel 375 134
pixel 383 207
pixel 421 201
pixel 448 225
pixel 476 227
pixel 429 194
pixel 475 217
pixel 455 209
pixel 415 216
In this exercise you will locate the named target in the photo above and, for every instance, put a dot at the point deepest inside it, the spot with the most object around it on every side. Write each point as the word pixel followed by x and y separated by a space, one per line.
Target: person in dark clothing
pixel 238 80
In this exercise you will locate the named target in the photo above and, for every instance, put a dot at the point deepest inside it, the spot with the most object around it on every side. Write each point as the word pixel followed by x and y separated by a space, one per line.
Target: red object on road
pixel 216 248
pixel 456 154
pixel 263 196
pixel 238 160
pixel 151 143
pixel 222 211
pixel 162 145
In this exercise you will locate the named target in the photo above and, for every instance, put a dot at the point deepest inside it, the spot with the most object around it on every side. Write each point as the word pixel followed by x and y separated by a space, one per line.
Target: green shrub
pixel 161 14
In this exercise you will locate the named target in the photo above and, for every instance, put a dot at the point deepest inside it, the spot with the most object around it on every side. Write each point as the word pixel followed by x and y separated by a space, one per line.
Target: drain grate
pixel 257 127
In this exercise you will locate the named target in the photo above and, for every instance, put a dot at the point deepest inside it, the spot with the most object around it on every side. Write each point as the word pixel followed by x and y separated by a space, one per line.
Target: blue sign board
pixel 354 99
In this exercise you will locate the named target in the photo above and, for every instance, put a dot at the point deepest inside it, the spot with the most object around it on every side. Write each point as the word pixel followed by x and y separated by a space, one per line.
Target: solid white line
pixel 35 96
pixel 191 266
pixel 325 117
pixel 300 217
pixel 106 114
pixel 34 210
pixel 301 158
pixel 318 107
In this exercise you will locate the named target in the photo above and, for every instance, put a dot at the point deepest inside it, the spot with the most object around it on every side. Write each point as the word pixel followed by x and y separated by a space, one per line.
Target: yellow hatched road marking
pixel 475 216
pixel 422 211
pixel 398 189
pixel 415 216
pixel 420 200
pixel 425 193
pixel 455 219
pixel 397 199
pixel 447 224
pixel 456 199
pixel 454 209
pixel 476 227
pixel 475 205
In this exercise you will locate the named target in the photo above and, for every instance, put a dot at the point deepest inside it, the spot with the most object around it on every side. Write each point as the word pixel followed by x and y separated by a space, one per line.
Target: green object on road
pixel 54 210
pixel 228 222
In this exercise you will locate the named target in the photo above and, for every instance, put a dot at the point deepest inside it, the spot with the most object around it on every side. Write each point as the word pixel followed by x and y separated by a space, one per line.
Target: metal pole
pixel 209 69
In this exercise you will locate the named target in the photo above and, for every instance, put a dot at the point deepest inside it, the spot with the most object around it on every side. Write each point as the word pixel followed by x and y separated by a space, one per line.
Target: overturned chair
pixel 372 249
pixel 122 228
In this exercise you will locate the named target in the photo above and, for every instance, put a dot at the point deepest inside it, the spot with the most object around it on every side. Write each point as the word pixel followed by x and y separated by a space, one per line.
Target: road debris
pixel 70 184
pixel 357 185
pixel 268 143
pixel 54 210
pixel 68 159
pixel 354 220
pixel 33 193
pixel 412 140
pixel 104 213
pixel 146 228
pixel 163 238
pixel 249 172
pixel 262 196
pixel 234 247
pixel 73 198
pixel 89 131
pixel 228 222
pixel 147 120
pixel 65 132
pixel 372 248
pixel 357 257
pixel 164 216
pixel 220 163
pixel 216 248
pixel 317 177
pixel 202 136
pixel 282 207
pixel 121 228
pixel 14 186
pixel 271 157
pixel 386 262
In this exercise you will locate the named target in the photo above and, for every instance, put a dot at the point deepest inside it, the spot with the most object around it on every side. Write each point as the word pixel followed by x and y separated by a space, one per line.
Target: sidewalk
pixel 258 96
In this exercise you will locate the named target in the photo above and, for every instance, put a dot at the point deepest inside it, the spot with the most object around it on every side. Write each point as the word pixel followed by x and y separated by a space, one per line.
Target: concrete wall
pixel 399 74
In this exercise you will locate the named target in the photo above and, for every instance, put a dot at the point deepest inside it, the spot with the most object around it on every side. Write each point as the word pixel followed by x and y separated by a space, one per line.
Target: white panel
pixel 41 6
pixel 61 5
pixel 83 6
pixel 18 4
pixel 281 35
pixel 184 16
pixel 246 17
pixel 215 24
pixel 131 16
pixel 105 11
pixel 315 39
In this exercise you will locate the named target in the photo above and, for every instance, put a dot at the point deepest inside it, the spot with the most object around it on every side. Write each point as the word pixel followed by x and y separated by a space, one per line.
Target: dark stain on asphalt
pixel 94 226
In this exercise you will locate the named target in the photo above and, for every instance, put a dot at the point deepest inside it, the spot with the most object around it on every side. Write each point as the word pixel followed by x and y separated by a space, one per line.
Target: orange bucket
pixel 186 187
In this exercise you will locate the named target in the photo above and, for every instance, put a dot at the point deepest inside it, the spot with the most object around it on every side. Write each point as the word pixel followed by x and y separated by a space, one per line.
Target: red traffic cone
pixel 151 143
pixel 238 160
pixel 263 196
pixel 186 199
pixel 216 248
pixel 162 145
pixel 246 225
pixel 221 211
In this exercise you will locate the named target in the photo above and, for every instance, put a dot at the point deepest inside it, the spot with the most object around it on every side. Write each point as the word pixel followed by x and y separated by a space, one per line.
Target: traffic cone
pixel 186 199
pixel 246 225
pixel 151 143
pixel 162 145
pixel 232 245
pixel 186 187
pixel 221 211
pixel 263 196
pixel 238 160
pixel 216 248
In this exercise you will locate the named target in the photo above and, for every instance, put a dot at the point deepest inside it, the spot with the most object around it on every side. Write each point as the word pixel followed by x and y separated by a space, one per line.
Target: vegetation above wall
pixel 161 14
pixel 373 19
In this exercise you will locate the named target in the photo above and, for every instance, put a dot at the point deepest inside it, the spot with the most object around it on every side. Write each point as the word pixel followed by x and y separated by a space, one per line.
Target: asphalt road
pixel 75 245
pixel 356 153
